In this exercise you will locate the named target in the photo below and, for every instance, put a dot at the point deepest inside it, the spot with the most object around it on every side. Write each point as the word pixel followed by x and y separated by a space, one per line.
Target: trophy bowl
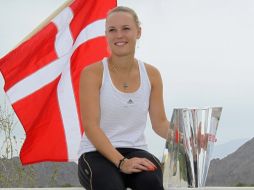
pixel 189 146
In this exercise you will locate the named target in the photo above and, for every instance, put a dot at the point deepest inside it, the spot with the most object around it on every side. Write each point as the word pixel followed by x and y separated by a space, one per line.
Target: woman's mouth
pixel 120 43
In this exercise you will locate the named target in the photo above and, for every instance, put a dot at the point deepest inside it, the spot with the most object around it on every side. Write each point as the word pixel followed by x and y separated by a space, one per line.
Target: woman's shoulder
pixel 94 69
pixel 152 71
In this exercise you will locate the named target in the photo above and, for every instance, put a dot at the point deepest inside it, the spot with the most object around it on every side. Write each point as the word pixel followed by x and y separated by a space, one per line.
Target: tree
pixel 8 142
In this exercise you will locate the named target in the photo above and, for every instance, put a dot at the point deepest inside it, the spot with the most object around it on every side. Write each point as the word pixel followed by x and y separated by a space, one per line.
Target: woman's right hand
pixel 135 165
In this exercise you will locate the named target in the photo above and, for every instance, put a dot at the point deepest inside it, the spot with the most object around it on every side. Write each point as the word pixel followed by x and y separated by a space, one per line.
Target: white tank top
pixel 123 115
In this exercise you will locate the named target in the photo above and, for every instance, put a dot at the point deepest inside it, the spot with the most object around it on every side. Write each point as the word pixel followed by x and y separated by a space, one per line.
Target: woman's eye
pixel 126 28
pixel 111 30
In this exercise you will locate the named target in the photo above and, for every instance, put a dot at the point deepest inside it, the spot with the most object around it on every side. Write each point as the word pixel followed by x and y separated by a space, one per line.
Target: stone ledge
pixel 79 188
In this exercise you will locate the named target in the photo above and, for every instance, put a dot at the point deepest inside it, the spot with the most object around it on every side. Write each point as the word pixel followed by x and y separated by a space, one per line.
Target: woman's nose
pixel 119 33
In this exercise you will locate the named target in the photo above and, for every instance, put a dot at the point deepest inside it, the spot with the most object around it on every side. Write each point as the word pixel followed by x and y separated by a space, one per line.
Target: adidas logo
pixel 130 101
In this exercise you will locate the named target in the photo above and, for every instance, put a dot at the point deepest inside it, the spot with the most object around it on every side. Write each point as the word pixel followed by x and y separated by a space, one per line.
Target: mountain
pixel 47 174
pixel 236 168
pixel 222 150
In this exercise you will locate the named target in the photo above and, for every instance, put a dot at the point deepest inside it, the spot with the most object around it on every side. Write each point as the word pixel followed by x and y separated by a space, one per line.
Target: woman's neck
pixel 123 63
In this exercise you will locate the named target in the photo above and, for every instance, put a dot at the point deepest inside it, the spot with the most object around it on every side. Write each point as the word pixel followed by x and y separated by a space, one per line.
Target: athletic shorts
pixel 98 173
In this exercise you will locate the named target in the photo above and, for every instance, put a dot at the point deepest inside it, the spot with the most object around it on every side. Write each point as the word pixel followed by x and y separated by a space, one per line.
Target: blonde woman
pixel 116 96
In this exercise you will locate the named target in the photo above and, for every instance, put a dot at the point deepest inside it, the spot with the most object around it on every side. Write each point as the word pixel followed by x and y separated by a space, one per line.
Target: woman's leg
pixel 97 173
pixel 146 180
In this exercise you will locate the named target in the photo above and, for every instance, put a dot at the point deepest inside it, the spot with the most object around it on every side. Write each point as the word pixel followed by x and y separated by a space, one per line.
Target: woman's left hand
pixel 135 165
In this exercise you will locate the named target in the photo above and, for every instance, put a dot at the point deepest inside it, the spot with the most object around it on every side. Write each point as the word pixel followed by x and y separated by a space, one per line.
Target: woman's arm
pixel 157 113
pixel 90 83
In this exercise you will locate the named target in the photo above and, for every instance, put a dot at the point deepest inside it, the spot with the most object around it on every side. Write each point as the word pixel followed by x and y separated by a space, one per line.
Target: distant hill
pixel 222 150
pixel 236 168
pixel 47 174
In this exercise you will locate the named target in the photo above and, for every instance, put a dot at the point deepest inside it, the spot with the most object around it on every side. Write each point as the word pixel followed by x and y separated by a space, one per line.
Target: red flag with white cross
pixel 42 79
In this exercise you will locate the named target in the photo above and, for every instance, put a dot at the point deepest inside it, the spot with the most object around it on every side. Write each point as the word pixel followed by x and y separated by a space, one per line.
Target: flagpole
pixel 46 21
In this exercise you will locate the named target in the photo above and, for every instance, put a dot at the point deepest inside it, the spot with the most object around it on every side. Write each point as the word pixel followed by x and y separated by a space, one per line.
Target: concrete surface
pixel 78 188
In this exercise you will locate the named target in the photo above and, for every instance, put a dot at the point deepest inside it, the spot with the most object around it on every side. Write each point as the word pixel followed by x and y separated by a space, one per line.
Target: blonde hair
pixel 127 10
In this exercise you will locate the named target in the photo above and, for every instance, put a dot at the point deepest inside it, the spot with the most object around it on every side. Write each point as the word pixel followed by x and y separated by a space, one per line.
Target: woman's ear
pixel 139 33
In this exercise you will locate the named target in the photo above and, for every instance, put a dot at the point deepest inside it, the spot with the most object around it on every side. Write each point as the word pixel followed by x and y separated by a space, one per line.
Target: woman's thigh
pixel 146 180
pixel 96 173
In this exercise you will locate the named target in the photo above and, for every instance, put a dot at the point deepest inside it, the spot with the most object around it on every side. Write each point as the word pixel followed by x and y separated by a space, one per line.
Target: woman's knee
pixel 84 173
pixel 97 174
pixel 150 180
pixel 147 180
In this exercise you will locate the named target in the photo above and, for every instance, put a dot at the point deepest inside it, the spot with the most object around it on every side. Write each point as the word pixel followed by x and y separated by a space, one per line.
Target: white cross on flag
pixel 42 79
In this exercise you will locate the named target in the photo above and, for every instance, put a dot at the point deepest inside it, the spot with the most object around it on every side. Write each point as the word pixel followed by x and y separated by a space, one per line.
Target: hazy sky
pixel 203 49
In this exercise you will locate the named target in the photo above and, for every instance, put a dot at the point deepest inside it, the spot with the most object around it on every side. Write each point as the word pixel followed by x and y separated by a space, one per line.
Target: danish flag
pixel 42 79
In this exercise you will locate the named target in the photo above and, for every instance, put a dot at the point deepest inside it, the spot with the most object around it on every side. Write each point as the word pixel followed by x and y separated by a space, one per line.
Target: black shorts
pixel 97 173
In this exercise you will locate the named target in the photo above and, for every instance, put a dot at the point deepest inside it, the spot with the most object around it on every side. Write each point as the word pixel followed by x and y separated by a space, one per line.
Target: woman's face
pixel 122 33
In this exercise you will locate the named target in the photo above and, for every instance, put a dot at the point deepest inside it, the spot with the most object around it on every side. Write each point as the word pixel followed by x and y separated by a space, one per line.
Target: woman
pixel 115 97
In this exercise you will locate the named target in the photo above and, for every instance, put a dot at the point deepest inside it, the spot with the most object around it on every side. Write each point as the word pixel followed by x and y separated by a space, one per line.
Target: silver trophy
pixel 189 147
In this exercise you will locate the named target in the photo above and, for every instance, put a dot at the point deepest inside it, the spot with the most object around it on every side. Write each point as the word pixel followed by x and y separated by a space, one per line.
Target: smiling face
pixel 122 31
